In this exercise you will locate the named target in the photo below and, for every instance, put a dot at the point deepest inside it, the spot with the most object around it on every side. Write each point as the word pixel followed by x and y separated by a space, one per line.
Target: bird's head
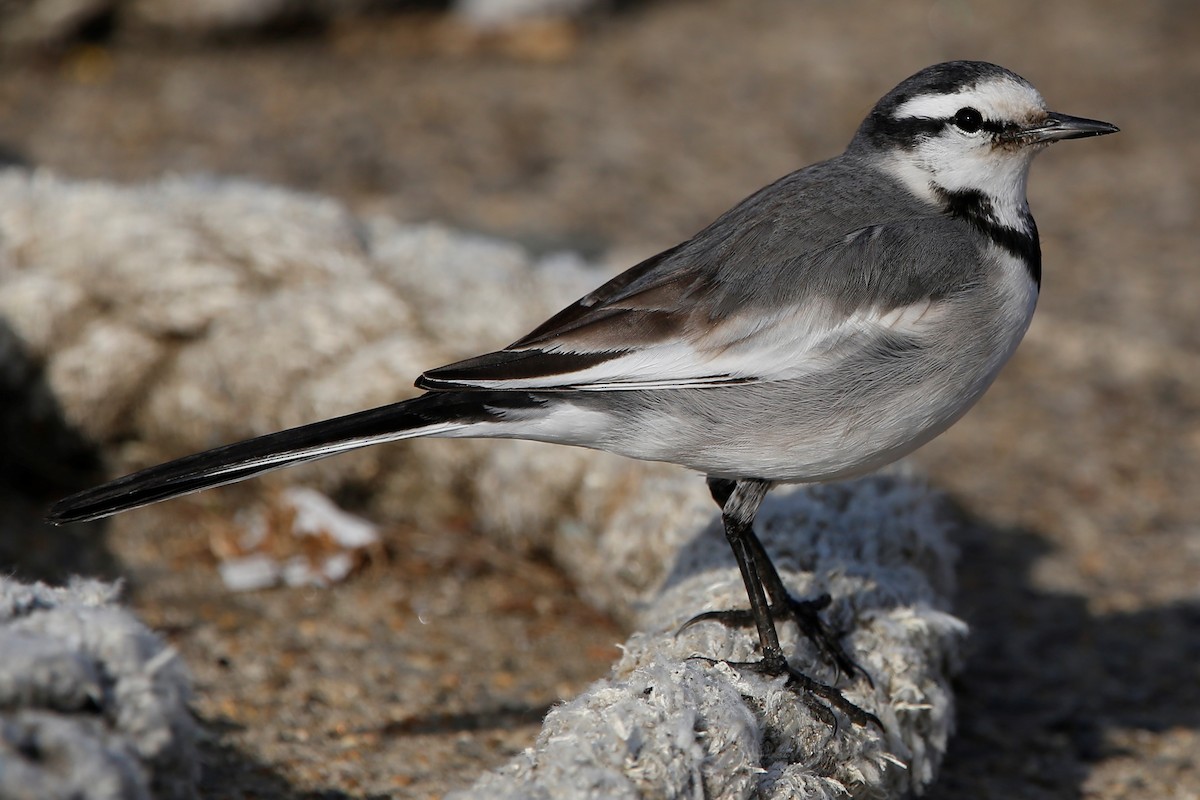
pixel 965 127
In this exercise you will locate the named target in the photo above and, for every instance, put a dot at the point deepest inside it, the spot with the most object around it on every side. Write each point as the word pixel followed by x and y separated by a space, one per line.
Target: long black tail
pixel 430 414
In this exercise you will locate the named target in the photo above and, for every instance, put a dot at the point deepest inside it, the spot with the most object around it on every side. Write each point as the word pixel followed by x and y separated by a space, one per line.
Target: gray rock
pixel 92 704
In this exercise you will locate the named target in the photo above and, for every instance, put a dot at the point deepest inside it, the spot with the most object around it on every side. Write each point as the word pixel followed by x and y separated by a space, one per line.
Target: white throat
pixel 932 170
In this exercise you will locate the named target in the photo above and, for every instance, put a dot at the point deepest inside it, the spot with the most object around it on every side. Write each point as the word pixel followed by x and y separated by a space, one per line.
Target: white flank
pixel 791 343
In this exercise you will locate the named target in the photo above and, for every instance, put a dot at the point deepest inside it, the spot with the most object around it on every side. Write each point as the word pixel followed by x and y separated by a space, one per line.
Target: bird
pixel 824 327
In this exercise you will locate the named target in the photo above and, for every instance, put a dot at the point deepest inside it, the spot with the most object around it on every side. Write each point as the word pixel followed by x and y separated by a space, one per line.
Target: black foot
pixel 807 616
pixel 807 690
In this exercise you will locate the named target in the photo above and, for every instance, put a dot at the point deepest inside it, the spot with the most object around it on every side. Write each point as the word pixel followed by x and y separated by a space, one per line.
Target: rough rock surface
pixel 93 705
pixel 666 724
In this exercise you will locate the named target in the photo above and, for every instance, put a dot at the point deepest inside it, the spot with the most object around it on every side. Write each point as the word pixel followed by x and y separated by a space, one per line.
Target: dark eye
pixel 968 120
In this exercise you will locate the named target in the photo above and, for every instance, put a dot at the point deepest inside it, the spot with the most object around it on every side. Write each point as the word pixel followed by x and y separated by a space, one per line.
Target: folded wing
pixel 671 322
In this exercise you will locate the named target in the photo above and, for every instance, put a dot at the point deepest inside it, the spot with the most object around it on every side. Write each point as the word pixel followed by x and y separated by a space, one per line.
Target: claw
pixel 805 613
pixel 858 716
pixel 731 618
pixel 807 689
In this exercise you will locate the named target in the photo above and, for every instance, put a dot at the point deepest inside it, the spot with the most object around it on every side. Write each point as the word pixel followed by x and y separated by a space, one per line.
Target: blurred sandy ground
pixel 1078 473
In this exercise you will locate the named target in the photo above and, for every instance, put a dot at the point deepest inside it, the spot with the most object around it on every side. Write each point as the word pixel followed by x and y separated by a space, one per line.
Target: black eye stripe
pixel 905 131
pixel 971 120
pixel 938 124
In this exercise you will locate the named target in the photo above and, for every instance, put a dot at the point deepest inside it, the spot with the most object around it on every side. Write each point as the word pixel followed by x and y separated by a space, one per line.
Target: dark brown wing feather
pixel 637 308
pixel 601 305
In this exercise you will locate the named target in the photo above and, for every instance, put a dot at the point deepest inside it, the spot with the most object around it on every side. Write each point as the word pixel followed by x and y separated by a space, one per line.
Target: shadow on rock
pixel 42 459
pixel 1046 678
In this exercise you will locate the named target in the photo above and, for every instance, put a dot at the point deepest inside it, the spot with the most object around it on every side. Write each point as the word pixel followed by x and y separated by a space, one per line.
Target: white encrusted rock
pixel 666 724
pixel 93 705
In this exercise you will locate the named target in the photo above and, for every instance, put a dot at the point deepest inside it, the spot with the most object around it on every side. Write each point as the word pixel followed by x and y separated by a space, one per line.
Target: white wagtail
pixel 823 327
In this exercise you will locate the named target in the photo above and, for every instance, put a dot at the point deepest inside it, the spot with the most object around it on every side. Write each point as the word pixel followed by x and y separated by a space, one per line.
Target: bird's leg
pixel 738 514
pixel 806 613
pixel 741 503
